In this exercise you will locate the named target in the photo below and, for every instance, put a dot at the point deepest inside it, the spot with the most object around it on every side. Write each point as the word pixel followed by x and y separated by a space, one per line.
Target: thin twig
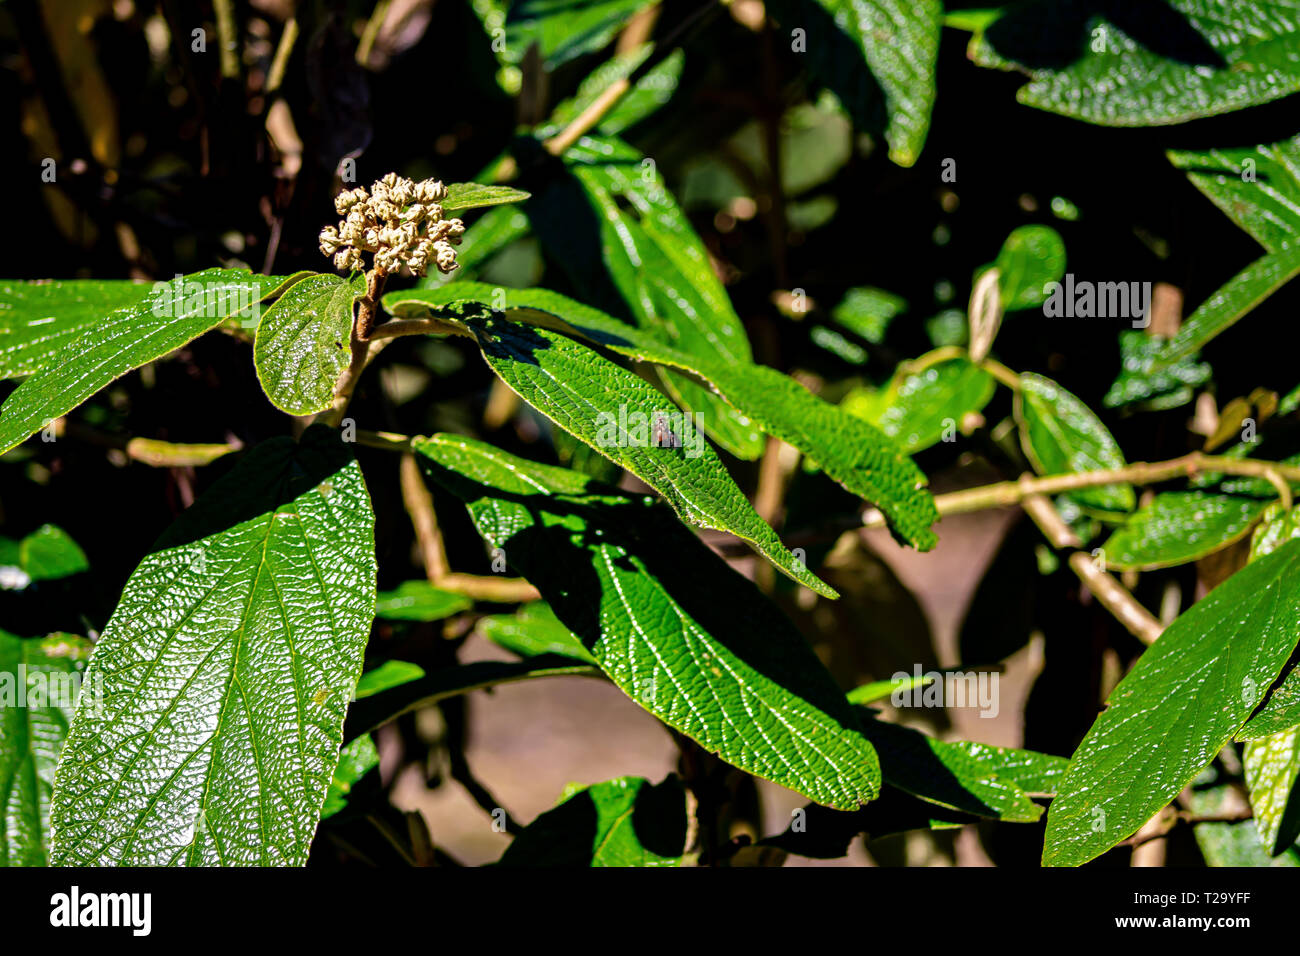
pixel 1139 622
pixel 1003 494
pixel 226 37
pixel 398 327
pixel 419 505
pixel 1183 816
pixel 281 59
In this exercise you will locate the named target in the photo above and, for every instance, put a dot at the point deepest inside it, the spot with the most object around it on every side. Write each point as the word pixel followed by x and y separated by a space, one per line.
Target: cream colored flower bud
pixel 349 198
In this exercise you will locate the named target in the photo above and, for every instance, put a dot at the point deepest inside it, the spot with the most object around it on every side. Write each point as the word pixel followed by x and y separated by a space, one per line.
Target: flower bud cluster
pixel 399 221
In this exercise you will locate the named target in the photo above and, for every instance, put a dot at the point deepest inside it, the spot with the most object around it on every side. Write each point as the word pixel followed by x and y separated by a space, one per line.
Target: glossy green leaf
pixel 1230 844
pixel 474 195
pixel 1272 767
pixel 386 676
pixel 623 822
pixel 491 233
pixel 419 601
pixel 1155 65
pixel 356 759
pixel 127 338
pixel 850 451
pixel 39 683
pixel 534 629
pixel 924 401
pixel 1031 257
pixel 681 633
pixel 1177 527
pixel 1280 710
pixel 882 689
pixel 1237 298
pixel 661 268
pixel 1061 434
pixel 654 89
pixel 49 553
pixel 596 400
pixel 38 318
pixel 867 311
pixel 563 29
pixel 227 668
pixel 303 342
pixel 899 40
pixel 1142 379
pixel 964 776
pixel 1257 187
pixel 1183 700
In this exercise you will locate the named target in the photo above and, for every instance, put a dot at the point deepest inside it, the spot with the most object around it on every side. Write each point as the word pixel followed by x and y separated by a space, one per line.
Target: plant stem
pixel 419 505
pixel 558 144
pixel 1111 593
pixel 1003 494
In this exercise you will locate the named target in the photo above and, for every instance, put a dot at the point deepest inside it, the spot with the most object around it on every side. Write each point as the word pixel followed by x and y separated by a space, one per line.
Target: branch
pixel 419 505
pixel 1113 596
pixel 1003 494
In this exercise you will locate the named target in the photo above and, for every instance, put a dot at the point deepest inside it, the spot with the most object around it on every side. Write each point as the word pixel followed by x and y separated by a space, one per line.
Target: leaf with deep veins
pixel 38 318
pixel 125 339
pixel 227 668
pixel 1184 699
pixel 31 736
pixel 588 395
pixel 682 634
pixel 849 450
pixel 303 342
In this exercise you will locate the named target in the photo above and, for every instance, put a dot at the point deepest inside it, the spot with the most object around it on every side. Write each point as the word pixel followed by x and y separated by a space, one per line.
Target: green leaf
pixel 1165 63
pixel 1031 257
pixel 1257 187
pixel 1281 708
pixel 1183 700
pixel 598 401
pixel 227 668
pixel 386 676
pixel 534 629
pixel 1239 296
pixel 356 759
pixel 661 269
pixel 1143 379
pixel 39 682
pixel 49 553
pixel 490 234
pixel 648 94
pixel 38 318
pixel 867 311
pixel 1272 767
pixel 419 601
pixel 126 339
pixel 880 689
pixel 965 776
pixel 1177 527
pixel 303 342
pixel 1061 434
pixel 1230 844
pixel 562 29
pixel 899 41
pixel 850 451
pixel 623 822
pixel 681 633
pixel 924 400
pixel 473 195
